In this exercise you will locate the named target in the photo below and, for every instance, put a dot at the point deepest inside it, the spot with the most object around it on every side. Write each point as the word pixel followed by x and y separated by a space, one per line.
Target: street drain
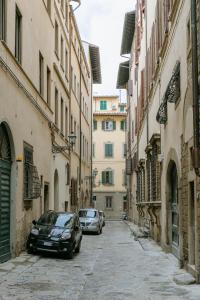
pixel 77 266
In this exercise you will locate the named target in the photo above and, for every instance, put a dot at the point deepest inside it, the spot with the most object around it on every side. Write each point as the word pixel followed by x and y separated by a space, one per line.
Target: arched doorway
pixel 173 208
pixel 5 191
pixel 56 191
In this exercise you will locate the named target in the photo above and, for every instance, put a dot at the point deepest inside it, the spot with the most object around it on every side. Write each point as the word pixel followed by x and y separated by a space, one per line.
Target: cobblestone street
pixel 110 266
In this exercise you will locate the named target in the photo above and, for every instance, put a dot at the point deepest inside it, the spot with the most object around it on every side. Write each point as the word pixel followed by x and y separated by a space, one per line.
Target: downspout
pixel 146 73
pixel 195 89
pixel 91 152
pixel 70 95
pixel 80 132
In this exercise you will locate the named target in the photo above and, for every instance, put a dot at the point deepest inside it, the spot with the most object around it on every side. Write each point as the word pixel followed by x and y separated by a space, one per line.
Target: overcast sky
pixel 101 23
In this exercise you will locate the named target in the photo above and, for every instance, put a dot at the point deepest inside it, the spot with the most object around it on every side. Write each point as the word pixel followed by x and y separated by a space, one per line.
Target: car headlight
pixel 66 235
pixel 35 231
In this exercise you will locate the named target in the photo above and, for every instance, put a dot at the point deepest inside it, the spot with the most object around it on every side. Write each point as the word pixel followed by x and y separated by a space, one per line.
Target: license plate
pixel 48 243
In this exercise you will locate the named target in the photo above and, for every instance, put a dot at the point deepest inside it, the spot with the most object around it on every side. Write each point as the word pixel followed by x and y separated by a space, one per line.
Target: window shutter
pixel 95 125
pixel 114 125
pixel 106 150
pixel 103 177
pixel 103 125
pixel 110 150
pixel 110 177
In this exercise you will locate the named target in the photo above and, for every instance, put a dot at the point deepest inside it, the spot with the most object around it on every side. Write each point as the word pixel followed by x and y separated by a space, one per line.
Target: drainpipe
pixel 70 95
pixel 195 89
pixel 80 131
pixel 146 71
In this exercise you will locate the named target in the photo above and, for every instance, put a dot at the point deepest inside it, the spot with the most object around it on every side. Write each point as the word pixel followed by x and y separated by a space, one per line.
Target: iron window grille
pixel 173 91
pixel 140 194
pixel 153 171
pixel 32 184
pixel 161 116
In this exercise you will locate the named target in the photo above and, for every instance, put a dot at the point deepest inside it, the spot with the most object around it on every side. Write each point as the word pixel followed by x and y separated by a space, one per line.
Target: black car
pixel 57 232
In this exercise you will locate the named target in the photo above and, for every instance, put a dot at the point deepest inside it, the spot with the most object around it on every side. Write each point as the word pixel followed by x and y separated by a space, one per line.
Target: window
pixel 66 64
pixel 66 123
pixel 61 116
pixel 108 202
pixel 108 125
pixel 56 106
pixel 189 34
pixel 121 108
pixel 123 125
pixel 18 35
pixel 48 86
pixel 94 124
pixel 93 150
pixel 124 150
pixel 66 14
pixel 107 177
pixel 62 5
pixel 103 105
pixel 108 150
pixel 75 84
pixel 67 173
pixel 56 37
pixel 124 178
pixel 2 20
pixel 41 74
pixel 61 53
pixel 28 162
pixel 49 7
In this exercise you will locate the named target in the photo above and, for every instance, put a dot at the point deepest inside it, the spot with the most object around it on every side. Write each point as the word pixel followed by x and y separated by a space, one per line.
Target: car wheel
pixel 77 250
pixel 98 231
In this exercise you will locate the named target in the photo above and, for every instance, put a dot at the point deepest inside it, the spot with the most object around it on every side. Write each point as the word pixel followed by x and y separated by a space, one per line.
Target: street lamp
pixel 71 142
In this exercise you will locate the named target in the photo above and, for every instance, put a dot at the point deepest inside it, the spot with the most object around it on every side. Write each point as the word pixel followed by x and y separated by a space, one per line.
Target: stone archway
pixel 56 191
pixel 173 209
pixel 5 193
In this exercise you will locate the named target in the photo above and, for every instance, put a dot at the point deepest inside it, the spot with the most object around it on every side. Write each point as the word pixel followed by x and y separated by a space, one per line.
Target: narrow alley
pixel 109 266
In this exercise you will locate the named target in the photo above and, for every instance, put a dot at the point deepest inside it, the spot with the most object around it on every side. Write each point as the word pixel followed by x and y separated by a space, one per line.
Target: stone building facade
pixel 41 107
pixel 109 150
pixel 163 189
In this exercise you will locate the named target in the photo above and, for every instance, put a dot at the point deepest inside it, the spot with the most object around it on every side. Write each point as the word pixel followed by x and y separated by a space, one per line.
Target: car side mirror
pixel 34 222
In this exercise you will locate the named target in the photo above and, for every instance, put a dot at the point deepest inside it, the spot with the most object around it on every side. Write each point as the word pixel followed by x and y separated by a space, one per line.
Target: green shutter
pixel 103 177
pixel 122 125
pixel 95 125
pixel 110 177
pixel 114 125
pixel 103 105
pixel 103 125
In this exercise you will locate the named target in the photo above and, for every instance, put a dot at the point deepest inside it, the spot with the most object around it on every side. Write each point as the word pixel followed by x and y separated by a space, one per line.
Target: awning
pixel 128 33
pixel 95 63
pixel 123 75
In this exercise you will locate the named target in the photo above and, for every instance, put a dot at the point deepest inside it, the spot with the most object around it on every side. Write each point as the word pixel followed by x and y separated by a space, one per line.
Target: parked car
pixel 90 220
pixel 58 232
pixel 102 217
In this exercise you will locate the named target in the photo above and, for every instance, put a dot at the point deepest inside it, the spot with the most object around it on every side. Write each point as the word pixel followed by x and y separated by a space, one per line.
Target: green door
pixel 5 167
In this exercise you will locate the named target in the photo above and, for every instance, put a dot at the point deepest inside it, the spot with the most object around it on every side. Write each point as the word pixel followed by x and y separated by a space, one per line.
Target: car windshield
pixel 59 220
pixel 87 213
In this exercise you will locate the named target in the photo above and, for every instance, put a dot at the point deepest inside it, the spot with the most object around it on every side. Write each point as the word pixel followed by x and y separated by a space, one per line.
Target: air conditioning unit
pixel 114 106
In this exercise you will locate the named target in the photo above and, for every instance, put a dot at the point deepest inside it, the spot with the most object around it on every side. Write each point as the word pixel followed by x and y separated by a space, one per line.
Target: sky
pixel 101 23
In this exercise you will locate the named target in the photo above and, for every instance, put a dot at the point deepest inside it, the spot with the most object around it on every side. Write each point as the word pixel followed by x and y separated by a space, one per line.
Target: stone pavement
pixel 110 266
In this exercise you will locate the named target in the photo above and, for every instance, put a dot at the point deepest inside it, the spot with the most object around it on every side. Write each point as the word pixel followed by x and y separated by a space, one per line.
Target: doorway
pixel 46 197
pixel 5 191
pixel 173 209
